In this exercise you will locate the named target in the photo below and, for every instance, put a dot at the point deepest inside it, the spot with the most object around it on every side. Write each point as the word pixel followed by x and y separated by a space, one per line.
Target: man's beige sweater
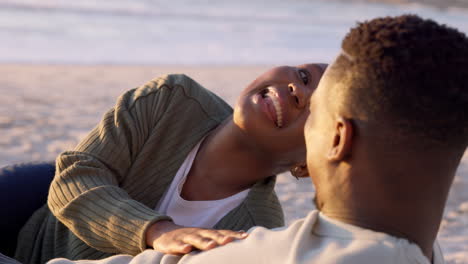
pixel 103 196
pixel 315 239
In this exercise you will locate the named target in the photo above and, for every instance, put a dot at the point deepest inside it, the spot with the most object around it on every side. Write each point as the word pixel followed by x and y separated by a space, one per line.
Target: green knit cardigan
pixel 103 196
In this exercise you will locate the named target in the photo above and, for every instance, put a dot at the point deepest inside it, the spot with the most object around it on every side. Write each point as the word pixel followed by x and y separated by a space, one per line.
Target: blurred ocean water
pixel 187 31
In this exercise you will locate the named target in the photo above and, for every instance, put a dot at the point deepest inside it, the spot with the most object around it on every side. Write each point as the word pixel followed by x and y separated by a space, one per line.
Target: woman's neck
pixel 227 162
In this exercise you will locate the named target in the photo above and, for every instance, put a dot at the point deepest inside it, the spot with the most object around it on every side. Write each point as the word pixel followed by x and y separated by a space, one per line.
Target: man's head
pixel 389 119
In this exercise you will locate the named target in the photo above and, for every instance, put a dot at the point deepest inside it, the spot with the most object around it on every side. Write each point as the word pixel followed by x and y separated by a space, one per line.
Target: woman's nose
pixel 300 94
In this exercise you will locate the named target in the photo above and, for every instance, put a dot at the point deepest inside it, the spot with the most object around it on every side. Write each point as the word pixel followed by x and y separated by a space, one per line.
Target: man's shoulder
pixel 353 244
pixel 261 246
pixel 313 239
pixel 307 240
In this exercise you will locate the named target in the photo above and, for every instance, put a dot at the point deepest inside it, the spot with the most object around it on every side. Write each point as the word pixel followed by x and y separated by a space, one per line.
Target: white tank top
pixel 203 214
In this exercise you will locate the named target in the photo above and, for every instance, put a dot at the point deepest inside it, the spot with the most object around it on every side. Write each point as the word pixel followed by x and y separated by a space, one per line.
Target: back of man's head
pixel 411 74
pixel 389 125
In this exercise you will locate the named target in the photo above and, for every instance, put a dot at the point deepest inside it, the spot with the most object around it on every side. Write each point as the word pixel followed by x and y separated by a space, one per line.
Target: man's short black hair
pixel 410 72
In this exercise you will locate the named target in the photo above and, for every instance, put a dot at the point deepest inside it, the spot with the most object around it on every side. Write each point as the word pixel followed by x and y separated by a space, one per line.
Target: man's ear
pixel 342 140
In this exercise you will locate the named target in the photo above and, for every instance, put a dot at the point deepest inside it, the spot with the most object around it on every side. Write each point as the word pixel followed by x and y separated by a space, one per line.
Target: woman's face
pixel 272 111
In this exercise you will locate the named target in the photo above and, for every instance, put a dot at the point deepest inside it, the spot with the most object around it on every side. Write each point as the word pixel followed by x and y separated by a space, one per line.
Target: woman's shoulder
pixel 177 89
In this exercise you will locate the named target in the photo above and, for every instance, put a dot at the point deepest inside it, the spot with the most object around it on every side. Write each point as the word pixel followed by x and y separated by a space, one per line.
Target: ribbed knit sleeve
pixel 85 194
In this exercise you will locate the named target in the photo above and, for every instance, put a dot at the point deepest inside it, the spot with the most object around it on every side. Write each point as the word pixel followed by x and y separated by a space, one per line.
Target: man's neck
pixel 401 193
pixel 416 223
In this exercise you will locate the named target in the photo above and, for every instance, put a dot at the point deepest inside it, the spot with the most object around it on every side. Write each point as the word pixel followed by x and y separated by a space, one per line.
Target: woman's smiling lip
pixel 272 105
pixel 266 106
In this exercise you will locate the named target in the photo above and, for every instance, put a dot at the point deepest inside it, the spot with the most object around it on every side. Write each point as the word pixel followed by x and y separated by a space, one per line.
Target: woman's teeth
pixel 278 109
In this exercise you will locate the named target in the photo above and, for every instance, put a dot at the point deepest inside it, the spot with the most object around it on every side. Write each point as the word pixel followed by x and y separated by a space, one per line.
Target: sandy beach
pixel 46 109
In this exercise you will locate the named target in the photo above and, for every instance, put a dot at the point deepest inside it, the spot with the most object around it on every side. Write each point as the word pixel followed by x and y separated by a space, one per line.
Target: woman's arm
pixel 85 194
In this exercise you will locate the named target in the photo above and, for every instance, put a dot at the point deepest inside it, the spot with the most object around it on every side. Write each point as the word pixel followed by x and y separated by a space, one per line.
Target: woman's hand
pixel 169 238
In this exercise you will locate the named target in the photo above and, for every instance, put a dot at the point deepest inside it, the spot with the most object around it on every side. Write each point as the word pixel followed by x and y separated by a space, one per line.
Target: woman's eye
pixel 304 76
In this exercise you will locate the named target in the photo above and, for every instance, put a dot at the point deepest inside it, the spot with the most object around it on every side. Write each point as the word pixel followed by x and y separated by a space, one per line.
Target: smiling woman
pixel 173 167
pixel 273 110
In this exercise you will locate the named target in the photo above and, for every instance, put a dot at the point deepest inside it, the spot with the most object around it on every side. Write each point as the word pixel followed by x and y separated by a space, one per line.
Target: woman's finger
pixel 199 241
pixel 219 237
pixel 173 247
pixel 223 237
pixel 235 234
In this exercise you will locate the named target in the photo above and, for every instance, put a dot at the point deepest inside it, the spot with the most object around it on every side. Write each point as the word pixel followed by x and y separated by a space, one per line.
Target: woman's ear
pixel 299 171
pixel 342 140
